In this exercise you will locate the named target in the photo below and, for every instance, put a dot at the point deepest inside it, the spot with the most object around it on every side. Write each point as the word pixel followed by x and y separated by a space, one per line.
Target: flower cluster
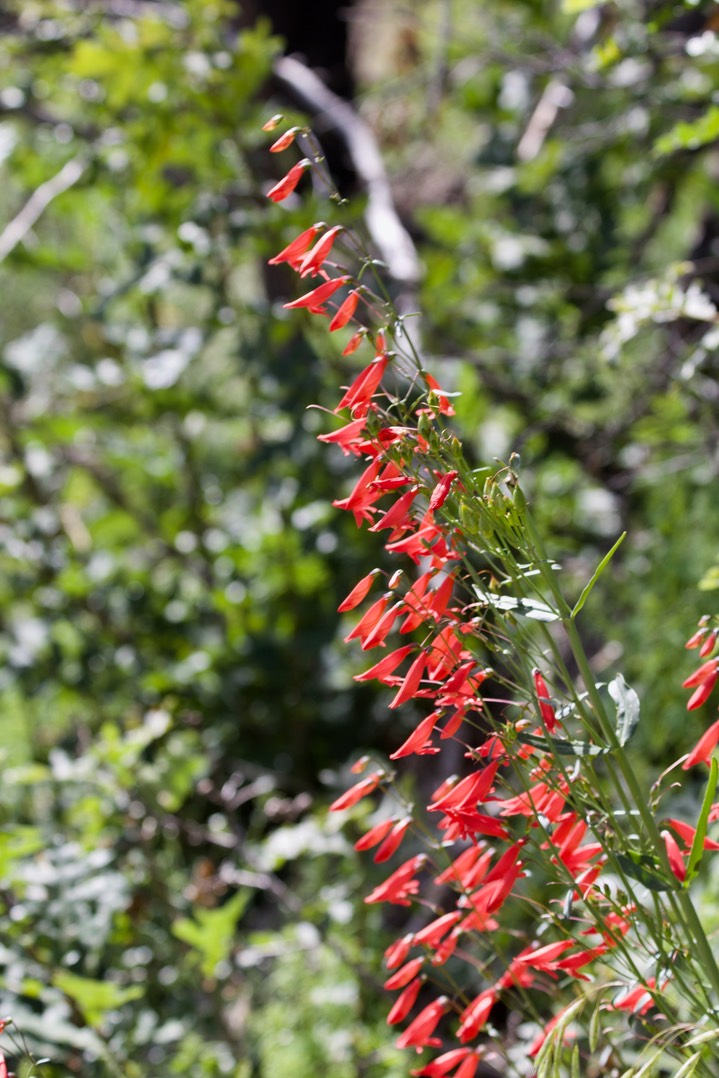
pixel 546 875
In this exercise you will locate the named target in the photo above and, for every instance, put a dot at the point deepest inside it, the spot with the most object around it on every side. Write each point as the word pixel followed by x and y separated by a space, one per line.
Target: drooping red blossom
pixel 687 834
pixel 284 141
pixel 704 679
pixel 383 670
pixel 636 1000
pixel 474 1017
pixel 398 516
pixel 374 836
pixel 431 934
pixel 543 957
pixel 345 312
pixel 441 491
pixel 549 717
pixel 350 437
pixel 445 407
pixel 369 619
pixel 397 952
pixel 313 300
pixel 379 633
pixel 404 975
pixel 444 1064
pixel 419 741
pixel 293 251
pixel 287 184
pixel 400 885
pixel 314 259
pixel 358 593
pixel 709 644
pixel 392 842
pixel 357 792
pixel 359 394
pixel 469 869
pixel 702 751
pixel 703 692
pixel 411 682
pixel 676 861
pixel 354 342
pixel 404 1003
pixel 419 1033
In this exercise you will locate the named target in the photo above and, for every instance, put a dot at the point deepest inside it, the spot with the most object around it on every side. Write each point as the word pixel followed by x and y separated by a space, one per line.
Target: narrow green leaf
pixel 562 747
pixel 689 1067
pixel 635 866
pixel 576 1073
pixel 594 1029
pixel 697 850
pixel 597 573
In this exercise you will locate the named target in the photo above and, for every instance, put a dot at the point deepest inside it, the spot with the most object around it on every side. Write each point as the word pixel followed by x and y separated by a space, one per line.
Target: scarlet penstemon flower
pixel 547 825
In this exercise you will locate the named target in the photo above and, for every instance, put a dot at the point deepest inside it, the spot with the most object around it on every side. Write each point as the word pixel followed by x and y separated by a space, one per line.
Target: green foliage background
pixel 176 706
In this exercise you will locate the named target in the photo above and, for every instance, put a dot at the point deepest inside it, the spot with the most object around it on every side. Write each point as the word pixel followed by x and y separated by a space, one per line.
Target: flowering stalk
pixel 553 884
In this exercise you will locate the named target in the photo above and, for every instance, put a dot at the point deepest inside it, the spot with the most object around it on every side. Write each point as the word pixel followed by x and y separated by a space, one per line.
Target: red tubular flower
pixel 288 183
pixel 361 501
pixel 349 438
pixel 475 787
pixel 474 1017
pixel 354 342
pixel 709 644
pixel 398 515
pixel 419 1034
pixel 637 1000
pixel 581 958
pixel 411 682
pixel 313 260
pixel 314 299
pixel 676 861
pixel 546 710
pixel 446 949
pixel 397 887
pixel 703 692
pixel 385 667
pixel 440 492
pixel 543 957
pixel 379 633
pixel 397 952
pixel 695 640
pixel 705 672
pixel 404 1003
pixel 468 1068
pixel 357 792
pixel 284 141
pixel 369 619
pixel 419 741
pixel 431 934
pixel 404 975
pixel 469 869
pixel 374 836
pixel 393 840
pixel 444 1064
pixel 292 252
pixel 445 407
pixel 702 751
pixel 359 394
pixel 344 312
pixel 358 593
pixel 686 832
